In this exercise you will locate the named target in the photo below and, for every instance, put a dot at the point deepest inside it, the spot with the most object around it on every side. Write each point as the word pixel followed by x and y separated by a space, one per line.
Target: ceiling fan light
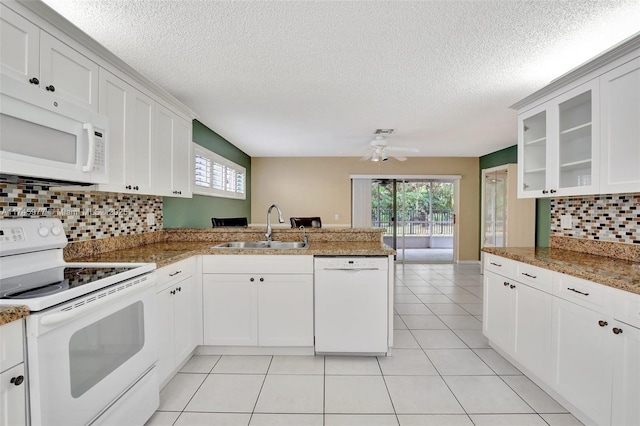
pixel 384 157
pixel 375 156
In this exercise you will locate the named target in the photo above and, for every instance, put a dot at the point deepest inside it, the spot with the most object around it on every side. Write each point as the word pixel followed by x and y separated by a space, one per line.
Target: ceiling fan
pixel 381 151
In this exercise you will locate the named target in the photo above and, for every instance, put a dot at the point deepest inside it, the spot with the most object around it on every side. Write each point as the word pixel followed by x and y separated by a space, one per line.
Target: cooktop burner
pixel 55 280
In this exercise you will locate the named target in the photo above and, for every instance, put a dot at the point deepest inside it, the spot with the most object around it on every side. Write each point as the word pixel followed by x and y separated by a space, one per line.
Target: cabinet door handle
pixel 173 292
pixel 175 273
pixel 17 380
pixel 50 88
pixel 603 323
pixel 251 279
pixel 179 289
pixel 530 276
pixel 261 280
pixel 496 264
pixel 577 291
pixel 616 330
pixel 512 286
pixel 34 81
pixel 506 284
pixel 544 191
pixel 553 191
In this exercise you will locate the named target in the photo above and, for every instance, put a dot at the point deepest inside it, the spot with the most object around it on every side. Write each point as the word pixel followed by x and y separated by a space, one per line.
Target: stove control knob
pixel 43 232
pixel 56 230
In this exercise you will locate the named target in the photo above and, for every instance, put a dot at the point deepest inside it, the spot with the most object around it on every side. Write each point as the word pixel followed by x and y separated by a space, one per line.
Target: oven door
pixel 87 355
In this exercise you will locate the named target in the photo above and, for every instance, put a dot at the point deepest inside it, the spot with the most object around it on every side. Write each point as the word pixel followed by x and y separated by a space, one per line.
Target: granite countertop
pixel 620 274
pixel 12 313
pixel 166 253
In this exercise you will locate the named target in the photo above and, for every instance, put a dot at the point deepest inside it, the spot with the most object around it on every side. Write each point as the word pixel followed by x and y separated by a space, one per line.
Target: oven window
pixel 100 348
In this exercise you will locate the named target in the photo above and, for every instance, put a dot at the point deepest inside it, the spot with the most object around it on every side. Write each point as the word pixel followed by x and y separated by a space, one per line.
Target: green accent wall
pixel 543 205
pixel 498 158
pixel 543 221
pixel 197 212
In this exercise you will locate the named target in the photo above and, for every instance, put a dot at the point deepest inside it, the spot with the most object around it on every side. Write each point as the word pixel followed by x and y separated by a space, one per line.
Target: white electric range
pixel 91 342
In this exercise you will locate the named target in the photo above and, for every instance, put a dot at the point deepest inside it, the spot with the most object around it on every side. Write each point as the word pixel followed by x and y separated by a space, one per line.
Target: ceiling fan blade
pixel 367 157
pixel 399 158
pixel 402 149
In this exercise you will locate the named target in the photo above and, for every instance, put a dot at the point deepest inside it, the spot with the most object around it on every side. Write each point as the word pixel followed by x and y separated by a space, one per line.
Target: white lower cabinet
pixel 258 309
pixel 532 329
pixel 12 375
pixel 256 300
pixel 230 310
pixel 517 319
pixel 177 322
pixel 581 341
pixel 582 359
pixel 497 310
pixel 625 400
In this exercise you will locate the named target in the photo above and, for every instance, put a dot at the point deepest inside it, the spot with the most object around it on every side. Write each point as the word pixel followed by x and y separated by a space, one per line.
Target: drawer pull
pixel 496 264
pixel 506 284
pixel 577 291
pixel 530 276
pixel 175 273
pixel 603 323
pixel 616 330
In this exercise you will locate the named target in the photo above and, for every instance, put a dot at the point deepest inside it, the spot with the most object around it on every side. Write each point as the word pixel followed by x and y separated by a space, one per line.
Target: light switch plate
pixel 565 221
pixel 151 219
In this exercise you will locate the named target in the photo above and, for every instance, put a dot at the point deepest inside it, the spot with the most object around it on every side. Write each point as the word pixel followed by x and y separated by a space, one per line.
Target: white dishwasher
pixel 351 305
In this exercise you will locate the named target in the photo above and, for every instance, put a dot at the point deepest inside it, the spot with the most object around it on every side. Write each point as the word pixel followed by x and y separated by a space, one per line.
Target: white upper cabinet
pixel 131 115
pixel 172 165
pixel 558 145
pixel 620 129
pixel 580 135
pixel 37 59
pixel 149 135
pixel 19 47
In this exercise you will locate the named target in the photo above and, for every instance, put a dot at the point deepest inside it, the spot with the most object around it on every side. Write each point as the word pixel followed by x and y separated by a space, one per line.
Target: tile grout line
pixel 255 404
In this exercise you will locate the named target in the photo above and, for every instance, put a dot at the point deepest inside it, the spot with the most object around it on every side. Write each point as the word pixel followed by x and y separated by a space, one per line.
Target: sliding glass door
pixel 418 216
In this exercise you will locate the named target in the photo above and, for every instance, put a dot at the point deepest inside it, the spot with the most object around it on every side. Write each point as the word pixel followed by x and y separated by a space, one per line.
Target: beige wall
pixel 320 186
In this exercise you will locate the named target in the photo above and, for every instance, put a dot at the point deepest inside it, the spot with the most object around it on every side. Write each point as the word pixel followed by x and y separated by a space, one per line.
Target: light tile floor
pixel 442 372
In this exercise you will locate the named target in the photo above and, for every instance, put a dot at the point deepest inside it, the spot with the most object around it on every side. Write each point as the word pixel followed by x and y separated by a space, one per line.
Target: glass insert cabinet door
pixel 575 141
pixel 558 145
pixel 534 147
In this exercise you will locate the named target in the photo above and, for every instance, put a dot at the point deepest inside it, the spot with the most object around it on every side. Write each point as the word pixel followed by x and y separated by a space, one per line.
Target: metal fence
pixel 415 222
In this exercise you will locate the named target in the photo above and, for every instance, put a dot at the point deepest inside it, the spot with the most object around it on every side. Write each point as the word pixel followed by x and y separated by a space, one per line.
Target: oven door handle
pixel 56 318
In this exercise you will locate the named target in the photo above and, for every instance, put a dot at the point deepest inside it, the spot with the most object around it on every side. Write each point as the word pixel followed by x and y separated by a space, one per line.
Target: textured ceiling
pixel 316 78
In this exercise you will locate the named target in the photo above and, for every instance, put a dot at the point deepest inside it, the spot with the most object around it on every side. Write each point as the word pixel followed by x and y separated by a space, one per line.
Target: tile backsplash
pixel 85 215
pixel 612 218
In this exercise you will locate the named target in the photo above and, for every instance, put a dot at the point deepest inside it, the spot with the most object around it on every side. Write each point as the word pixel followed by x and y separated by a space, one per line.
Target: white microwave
pixel 44 136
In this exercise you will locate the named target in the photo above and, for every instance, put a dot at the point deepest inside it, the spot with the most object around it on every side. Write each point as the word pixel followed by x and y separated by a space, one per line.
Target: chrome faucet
pixel 267 235
pixel 305 238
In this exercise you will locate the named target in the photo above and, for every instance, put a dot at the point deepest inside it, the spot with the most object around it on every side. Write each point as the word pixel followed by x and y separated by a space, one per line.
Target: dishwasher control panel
pixel 344 263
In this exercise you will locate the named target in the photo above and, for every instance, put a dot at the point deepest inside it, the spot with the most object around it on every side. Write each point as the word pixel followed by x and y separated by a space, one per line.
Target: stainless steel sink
pixel 281 245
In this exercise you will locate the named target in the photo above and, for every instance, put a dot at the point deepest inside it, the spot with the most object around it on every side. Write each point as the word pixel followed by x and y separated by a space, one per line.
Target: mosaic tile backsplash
pixel 613 218
pixel 85 215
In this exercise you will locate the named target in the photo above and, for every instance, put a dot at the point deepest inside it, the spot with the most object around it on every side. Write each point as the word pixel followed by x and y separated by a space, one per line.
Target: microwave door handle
pixel 92 147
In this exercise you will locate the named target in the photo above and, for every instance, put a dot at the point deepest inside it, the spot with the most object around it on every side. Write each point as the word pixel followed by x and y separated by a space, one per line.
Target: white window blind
pixel 216 176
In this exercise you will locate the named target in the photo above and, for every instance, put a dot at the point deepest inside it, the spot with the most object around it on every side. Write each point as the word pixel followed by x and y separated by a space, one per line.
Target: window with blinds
pixel 216 176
